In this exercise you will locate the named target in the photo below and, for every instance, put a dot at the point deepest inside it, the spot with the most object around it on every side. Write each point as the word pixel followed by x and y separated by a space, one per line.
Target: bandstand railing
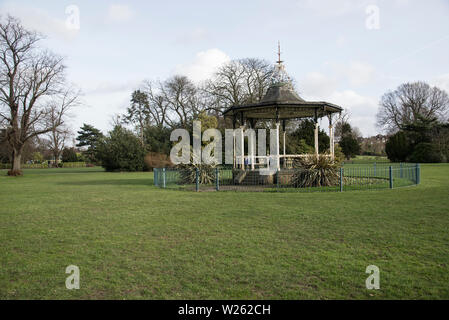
pixel 345 178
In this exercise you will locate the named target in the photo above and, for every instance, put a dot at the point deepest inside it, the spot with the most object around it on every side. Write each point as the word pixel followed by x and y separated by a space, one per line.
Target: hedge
pixel 44 165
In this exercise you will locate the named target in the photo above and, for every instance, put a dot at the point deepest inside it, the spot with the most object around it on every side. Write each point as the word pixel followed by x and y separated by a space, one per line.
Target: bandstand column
pixel 234 164
pixel 233 145
pixel 331 136
pixel 285 159
pixel 283 131
pixel 278 164
pixel 252 145
pixel 316 138
pixel 243 147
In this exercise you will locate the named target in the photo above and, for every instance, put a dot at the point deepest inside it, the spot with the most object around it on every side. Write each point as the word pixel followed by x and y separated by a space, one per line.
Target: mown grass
pixel 132 240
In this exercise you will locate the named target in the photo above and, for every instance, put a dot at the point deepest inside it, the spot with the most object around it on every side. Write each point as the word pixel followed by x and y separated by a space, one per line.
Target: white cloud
pixel 341 41
pixel 193 36
pixel 442 82
pixel 357 73
pixel 39 20
pixel 119 13
pixel 106 87
pixel 362 109
pixel 204 65
pixel 316 86
pixel 332 7
pixel 320 87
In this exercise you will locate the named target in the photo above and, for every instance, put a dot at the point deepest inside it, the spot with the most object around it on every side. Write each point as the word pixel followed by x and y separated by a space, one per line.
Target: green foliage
pixel 207 121
pixel 425 140
pixel 311 171
pixel 302 140
pixel 69 155
pixel 298 147
pixel 398 147
pixel 77 164
pixel 38 157
pixel 121 150
pixel 157 139
pixel 339 156
pixel 349 146
pixel 139 112
pixel 45 165
pixel 346 129
pixel 425 152
pixel 89 137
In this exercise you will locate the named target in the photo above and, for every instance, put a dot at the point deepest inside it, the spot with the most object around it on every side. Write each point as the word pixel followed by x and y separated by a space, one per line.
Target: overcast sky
pixel 347 52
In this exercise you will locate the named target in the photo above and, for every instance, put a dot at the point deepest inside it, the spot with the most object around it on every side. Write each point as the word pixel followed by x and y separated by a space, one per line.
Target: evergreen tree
pixel 89 137
pixel 138 113
pixel 121 150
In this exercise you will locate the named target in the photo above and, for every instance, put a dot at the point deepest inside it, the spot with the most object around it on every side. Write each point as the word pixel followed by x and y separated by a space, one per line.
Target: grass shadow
pixel 116 182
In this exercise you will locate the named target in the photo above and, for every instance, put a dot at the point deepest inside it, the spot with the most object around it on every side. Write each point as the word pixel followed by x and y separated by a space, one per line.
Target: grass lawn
pixel 132 240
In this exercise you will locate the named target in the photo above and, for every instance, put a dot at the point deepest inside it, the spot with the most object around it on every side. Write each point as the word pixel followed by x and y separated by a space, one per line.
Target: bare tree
pixel 29 78
pixel 157 104
pixel 59 134
pixel 183 100
pixel 239 82
pixel 342 119
pixel 409 102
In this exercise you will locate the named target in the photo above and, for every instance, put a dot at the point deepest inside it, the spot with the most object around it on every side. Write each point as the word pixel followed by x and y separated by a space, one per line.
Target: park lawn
pixel 132 240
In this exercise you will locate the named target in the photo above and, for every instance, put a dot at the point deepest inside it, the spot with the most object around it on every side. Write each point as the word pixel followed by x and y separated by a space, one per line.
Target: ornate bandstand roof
pixel 282 102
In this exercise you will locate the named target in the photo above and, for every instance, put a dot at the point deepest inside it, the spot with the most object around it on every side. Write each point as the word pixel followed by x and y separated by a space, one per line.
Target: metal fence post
pixel 155 176
pixel 277 180
pixel 418 174
pixel 341 179
pixel 400 172
pixel 217 179
pixel 391 177
pixel 163 178
pixel 197 180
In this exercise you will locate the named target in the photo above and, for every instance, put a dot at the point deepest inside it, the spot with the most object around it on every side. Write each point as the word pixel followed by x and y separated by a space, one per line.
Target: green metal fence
pixel 346 178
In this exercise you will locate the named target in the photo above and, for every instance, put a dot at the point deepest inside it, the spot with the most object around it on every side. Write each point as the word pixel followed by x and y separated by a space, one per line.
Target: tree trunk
pixel 16 163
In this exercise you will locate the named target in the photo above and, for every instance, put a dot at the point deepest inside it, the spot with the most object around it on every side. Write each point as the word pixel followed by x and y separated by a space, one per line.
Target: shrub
pixel 425 153
pixel 38 157
pixel 74 164
pixel 121 150
pixel 349 146
pixel 187 173
pixel 157 139
pixel 157 160
pixel 311 171
pixel 398 147
pixel 69 155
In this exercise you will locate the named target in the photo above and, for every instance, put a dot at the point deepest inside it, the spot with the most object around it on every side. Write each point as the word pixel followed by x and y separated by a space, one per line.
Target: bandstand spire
pixel 280 76
pixel 279 54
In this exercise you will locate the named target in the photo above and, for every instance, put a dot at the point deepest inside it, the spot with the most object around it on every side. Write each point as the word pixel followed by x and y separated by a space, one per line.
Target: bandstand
pixel 280 103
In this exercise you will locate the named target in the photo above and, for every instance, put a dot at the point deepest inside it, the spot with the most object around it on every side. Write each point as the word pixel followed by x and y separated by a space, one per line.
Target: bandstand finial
pixel 280 76
pixel 279 53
